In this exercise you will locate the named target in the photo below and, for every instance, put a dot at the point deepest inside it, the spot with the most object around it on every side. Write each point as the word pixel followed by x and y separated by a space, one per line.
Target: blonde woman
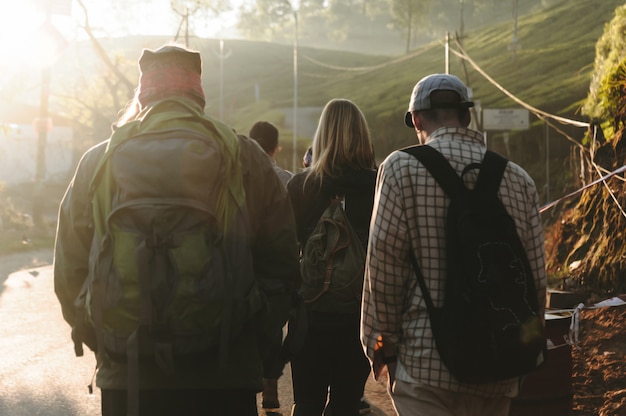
pixel 332 364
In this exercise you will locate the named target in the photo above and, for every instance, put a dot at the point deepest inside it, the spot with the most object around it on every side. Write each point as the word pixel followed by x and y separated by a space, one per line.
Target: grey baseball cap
pixel 421 95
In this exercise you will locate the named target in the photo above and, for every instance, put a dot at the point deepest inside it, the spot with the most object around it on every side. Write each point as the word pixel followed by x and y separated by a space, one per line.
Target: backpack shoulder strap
pixel 491 171
pixel 439 168
pixel 450 182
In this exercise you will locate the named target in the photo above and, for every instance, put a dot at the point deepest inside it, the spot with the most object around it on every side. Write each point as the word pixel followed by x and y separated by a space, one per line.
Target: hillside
pixel 585 234
pixel 551 72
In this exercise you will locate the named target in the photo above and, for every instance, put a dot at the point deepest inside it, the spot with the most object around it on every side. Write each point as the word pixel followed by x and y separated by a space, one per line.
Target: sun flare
pixel 26 39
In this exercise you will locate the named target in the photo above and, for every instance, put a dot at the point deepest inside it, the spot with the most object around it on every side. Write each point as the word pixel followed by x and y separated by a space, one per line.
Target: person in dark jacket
pixel 332 365
pixel 170 96
pixel 266 135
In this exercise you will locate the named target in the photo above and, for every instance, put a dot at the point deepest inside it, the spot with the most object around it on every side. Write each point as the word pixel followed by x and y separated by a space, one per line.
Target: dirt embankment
pixel 585 250
pixel 584 238
pixel 599 364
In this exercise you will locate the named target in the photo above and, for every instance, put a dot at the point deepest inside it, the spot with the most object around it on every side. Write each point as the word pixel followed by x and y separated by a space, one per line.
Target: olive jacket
pixel 275 257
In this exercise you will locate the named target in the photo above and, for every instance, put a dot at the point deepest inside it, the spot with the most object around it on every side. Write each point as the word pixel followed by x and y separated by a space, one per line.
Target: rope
pixel 542 115
pixel 619 206
pixel 373 67
pixel 545 116
pixel 563 120
pixel 597 181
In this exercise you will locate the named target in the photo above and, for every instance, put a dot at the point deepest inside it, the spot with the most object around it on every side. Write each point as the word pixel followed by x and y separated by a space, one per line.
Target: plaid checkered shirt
pixel 410 214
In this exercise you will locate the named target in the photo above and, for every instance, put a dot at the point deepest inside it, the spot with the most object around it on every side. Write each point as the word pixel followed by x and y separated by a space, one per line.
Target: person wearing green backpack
pixel 176 254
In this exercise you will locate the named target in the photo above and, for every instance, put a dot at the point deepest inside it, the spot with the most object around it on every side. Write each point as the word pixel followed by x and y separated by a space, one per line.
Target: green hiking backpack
pixel 167 283
pixel 333 264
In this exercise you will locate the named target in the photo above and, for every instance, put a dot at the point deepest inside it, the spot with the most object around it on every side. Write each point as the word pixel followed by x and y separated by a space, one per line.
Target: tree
pixel 407 15
pixel 202 8
pixel 266 19
pixel 103 55
pixel 352 19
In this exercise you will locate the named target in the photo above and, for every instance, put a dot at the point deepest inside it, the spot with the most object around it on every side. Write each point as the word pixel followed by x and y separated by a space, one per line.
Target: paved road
pixel 39 374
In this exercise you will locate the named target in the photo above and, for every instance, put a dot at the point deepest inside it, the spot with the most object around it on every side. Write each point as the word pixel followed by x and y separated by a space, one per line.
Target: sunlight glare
pixel 24 39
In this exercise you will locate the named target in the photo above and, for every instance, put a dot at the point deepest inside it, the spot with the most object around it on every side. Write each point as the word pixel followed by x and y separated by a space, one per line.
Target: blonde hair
pixel 130 111
pixel 342 141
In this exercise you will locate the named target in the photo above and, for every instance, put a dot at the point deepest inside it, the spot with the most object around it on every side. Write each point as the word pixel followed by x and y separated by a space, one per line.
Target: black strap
pixel 422 282
pixel 491 170
pixel 439 168
pixel 452 185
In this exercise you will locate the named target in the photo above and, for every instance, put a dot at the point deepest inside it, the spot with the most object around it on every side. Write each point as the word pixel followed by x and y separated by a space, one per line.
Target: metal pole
pixel 462 30
pixel 186 27
pixel 447 49
pixel 295 90
pixel 221 79
pixel 514 44
pixel 547 161
pixel 42 132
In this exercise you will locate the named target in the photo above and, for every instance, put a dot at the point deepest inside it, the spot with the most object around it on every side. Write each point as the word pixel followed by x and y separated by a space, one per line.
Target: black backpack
pixel 488 328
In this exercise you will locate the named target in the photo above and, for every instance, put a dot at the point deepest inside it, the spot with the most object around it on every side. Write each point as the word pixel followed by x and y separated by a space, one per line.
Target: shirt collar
pixel 456 133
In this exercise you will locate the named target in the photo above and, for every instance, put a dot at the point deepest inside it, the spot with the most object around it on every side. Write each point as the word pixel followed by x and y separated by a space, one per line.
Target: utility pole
pixel 514 46
pixel 183 21
pixel 222 57
pixel 547 160
pixel 184 9
pixel 53 43
pixel 41 127
pixel 447 53
pixel 462 28
pixel 186 27
pixel 295 89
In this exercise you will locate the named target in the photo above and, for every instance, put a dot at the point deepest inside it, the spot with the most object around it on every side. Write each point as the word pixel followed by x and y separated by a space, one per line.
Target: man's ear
pixel 417 122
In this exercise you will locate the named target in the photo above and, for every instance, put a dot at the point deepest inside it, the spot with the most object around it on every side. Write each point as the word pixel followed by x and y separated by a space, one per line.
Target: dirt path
pixel 375 394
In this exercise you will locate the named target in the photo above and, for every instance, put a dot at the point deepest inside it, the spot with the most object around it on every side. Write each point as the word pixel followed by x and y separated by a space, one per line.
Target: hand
pixel 84 333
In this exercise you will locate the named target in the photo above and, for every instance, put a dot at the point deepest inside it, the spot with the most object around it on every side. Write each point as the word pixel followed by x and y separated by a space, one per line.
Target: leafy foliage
pixel 407 15
pixel 586 242
pixel 266 20
pixel 607 93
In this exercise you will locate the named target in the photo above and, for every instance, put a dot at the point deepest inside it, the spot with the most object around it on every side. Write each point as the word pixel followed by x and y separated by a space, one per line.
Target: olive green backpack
pixel 167 283
pixel 333 264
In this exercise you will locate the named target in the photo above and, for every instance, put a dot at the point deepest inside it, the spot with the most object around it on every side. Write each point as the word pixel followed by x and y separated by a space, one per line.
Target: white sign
pixel 506 119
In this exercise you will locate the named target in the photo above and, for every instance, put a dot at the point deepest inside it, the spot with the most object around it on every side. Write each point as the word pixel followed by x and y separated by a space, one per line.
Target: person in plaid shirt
pixel 409 215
